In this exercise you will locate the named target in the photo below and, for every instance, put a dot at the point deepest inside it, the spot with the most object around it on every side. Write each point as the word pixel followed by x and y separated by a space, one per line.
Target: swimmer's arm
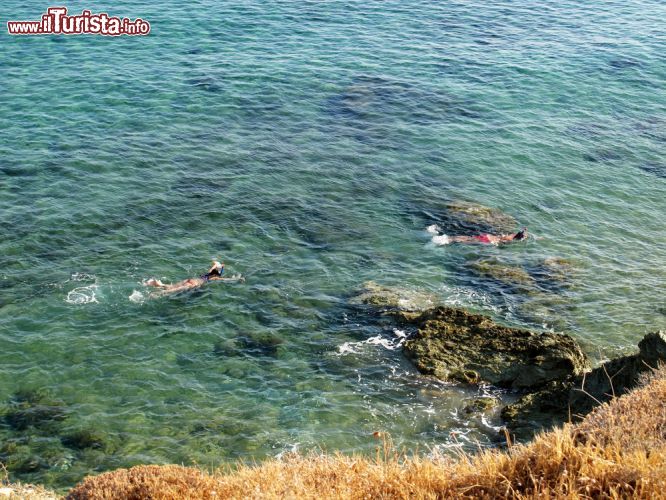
pixel 155 282
pixel 215 266
pixel 232 278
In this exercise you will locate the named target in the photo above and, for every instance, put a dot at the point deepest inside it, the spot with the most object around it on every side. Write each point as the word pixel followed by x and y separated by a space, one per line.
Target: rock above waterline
pixel 455 345
pixel 574 398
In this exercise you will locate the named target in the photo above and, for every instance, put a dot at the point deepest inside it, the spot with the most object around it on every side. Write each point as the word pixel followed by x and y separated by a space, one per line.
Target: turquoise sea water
pixel 308 144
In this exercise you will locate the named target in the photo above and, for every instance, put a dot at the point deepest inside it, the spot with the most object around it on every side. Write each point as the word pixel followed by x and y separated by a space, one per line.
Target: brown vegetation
pixel 619 451
pixel 26 492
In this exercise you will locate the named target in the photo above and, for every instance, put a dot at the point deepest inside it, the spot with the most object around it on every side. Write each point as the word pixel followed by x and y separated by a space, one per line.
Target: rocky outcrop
pixel 481 405
pixel 455 345
pixel 550 370
pixel 572 399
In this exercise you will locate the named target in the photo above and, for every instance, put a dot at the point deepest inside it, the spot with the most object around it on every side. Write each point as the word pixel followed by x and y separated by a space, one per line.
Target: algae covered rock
pixel 481 405
pixel 504 273
pixel 453 344
pixel 617 376
pixel 482 216
pixel 401 299
pixel 575 398
pixel 82 439
pixel 552 274
pixel 34 453
pixel 555 273
pixel 251 344
pixel 33 408
pixel 20 458
pixel 559 267
pixel 543 409
pixel 261 343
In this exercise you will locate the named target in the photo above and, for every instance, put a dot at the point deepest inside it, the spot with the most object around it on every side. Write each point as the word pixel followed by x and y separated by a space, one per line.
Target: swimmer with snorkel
pixel 483 238
pixel 214 274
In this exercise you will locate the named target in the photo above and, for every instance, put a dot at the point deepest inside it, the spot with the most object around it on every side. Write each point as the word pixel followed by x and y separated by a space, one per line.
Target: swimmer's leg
pixel 463 239
pixel 433 229
pixel 441 239
pixel 154 282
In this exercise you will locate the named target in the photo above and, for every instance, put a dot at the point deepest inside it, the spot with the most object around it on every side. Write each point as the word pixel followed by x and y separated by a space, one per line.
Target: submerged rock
pixel 33 408
pixel 206 83
pixel 505 273
pixel 555 272
pixel 369 97
pixel 658 169
pixel 86 438
pixel 552 274
pixel 453 344
pixel 226 348
pixel 558 265
pixel 546 309
pixel 252 344
pixel 394 298
pixel 602 156
pixel 29 454
pixel 572 399
pixel 261 344
pixel 482 216
pixel 22 460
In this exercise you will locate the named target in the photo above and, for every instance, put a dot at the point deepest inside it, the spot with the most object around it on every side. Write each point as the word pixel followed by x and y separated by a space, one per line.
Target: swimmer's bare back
pixel 213 274
pixel 483 239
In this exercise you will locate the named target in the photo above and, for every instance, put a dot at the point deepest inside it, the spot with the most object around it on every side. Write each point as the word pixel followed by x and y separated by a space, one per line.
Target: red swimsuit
pixel 482 238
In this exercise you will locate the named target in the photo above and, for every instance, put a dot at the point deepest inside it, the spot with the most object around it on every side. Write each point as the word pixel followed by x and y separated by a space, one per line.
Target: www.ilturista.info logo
pixel 57 22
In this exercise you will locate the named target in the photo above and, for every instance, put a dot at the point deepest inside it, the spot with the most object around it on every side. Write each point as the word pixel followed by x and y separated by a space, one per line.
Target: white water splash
pixel 495 428
pixel 137 297
pixel 438 239
pixel 386 343
pixel 457 296
pixel 289 449
pixel 82 295
pixel 82 277
pixel 441 239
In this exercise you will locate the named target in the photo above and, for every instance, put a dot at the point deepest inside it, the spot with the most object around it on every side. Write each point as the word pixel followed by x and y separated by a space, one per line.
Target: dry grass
pixel 619 451
pixel 19 491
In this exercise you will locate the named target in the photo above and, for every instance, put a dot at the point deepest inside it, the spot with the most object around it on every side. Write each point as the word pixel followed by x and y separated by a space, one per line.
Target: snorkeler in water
pixel 483 238
pixel 214 274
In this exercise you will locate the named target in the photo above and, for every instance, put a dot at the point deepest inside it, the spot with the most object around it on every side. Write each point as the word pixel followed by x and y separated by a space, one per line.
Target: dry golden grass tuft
pixel 148 481
pixel 19 491
pixel 619 451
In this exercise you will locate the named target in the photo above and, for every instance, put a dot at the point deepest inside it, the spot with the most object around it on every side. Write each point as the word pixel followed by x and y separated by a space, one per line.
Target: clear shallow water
pixel 306 143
